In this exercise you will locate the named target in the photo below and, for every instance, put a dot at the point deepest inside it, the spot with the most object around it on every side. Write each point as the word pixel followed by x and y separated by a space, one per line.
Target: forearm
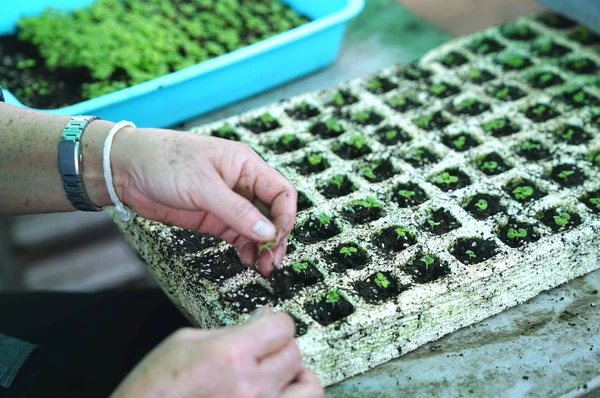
pixel 29 178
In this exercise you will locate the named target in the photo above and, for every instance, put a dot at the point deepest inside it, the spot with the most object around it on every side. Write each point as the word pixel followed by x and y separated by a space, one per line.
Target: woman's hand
pixel 258 359
pixel 207 185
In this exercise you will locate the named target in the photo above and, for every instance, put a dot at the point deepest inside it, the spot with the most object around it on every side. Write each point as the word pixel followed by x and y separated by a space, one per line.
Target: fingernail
pixel 264 230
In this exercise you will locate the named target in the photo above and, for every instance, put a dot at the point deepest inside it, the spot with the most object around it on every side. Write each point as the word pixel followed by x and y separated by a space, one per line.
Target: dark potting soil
pixel 451 180
pixel 365 118
pixel 327 313
pixel 584 36
pixel 550 49
pixel 322 131
pixel 343 98
pixel 305 167
pixel 419 157
pixel 349 151
pixel 313 231
pixel 533 150
pixel 286 144
pixel 479 76
pixel 474 250
pixel 500 127
pixel 372 289
pixel 218 267
pixel 560 220
pixel 186 242
pixel 380 85
pixel 408 195
pixel 262 124
pixel 434 121
pixel 391 135
pixel 415 73
pixel 303 111
pixel 578 98
pixel 291 247
pixel 342 262
pixel 301 327
pixel 545 80
pixel 440 222
pixel 572 135
pixel 359 214
pixel 286 282
pixel 331 190
pixel 249 298
pixel 471 109
pixel 453 59
pixel 381 171
pixel 485 46
pixel 519 239
pixel 403 103
pixel 492 164
pixel 389 240
pixel 592 200
pixel 556 21
pixel 523 190
pixel 540 113
pixel 518 31
pixel 423 272
pixel 511 63
pixel 582 66
pixel 226 134
pixel 506 92
pixel 567 175
pixel 303 202
pixel 483 205
pixel 460 142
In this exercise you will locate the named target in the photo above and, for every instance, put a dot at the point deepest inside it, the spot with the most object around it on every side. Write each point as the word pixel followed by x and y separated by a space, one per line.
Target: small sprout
pixel 405 193
pixel 374 84
pixel 287 139
pixel 224 130
pixel 266 245
pixel 424 121
pixel 545 77
pixel 515 62
pixel 368 203
pixel 304 106
pixel 347 251
pixel 401 232
pixel 467 103
pixel 338 99
pixel 579 97
pixel 595 202
pixel 494 124
pixel 299 267
pixel 332 297
pixel 502 93
pixel 530 145
pixel 568 135
pixel 357 140
pixel 596 159
pixel 390 134
pixel 417 154
pixel 475 74
pixel 432 223
pixel 539 110
pixel 381 281
pixel 334 126
pixel 315 159
pixel 369 173
pixel 562 219
pixel 471 254
pixel 459 142
pixel 338 180
pixel 428 260
pixel 446 178
pixel 516 233
pixel 362 116
pixel 522 192
pixel 438 88
pixel 397 101
pixel 323 218
pixel 482 204
pixel 491 165
pixel 266 118
pixel 565 174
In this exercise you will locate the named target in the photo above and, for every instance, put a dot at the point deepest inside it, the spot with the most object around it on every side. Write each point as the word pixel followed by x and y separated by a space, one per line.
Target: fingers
pixel 307 385
pixel 281 368
pixel 264 335
pixel 267 259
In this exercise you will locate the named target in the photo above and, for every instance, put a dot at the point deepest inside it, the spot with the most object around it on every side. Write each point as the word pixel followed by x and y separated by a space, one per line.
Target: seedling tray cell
pixel 451 232
pixel 181 95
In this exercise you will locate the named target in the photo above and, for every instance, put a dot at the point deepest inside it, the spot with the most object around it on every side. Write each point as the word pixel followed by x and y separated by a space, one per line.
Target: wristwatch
pixel 70 163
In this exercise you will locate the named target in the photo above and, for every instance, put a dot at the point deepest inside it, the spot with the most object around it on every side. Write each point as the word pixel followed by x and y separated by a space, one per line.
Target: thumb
pixel 238 213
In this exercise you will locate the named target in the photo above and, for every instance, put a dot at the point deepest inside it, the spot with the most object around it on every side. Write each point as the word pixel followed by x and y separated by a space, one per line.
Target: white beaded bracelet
pixel 124 212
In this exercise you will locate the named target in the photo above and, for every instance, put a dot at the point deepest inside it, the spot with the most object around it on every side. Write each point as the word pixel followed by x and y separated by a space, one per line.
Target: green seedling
pixel 266 118
pixel 424 121
pixel 490 165
pixel 381 281
pixel 596 159
pixel 368 203
pixel 390 134
pixel 299 267
pixel 397 101
pixel 475 74
pixel 459 142
pixel 287 139
pixel 579 64
pixel 374 84
pixel 530 145
pixel 467 103
pixel 357 140
pixel 348 251
pixel 304 106
pixel 432 223
pixel 522 192
pixel 502 93
pixel 332 297
pixel 26 63
pixel 516 233
pixel 515 62
pixel 334 126
pixel 401 232
pixel 266 245
pixel 369 173
pixel 539 110
pixel 224 130
pixel 314 159
pixel 579 97
pixel 405 193
pixel 568 135
pixel 565 174
pixel 338 180
pixel 449 59
pixel 446 178
pixel 338 99
pixel 362 116
pixel 471 254
pixel 545 47
pixel 323 218
pixel 562 219
pixel 495 124
pixel 482 204
pixel 438 88
pixel 595 202
pixel 417 154
pixel 427 259
pixel 545 77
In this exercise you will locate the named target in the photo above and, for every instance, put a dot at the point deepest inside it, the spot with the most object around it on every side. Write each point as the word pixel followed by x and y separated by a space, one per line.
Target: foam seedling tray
pixel 432 196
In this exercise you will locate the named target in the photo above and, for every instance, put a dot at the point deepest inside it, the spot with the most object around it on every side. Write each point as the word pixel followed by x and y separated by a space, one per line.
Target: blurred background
pixel 84 252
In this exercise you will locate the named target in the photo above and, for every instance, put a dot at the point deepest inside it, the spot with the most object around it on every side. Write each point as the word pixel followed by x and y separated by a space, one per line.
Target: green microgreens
pixel 338 99
pixel 368 203
pixel 522 192
pixel 446 178
pixel 266 118
pixel 299 266
pixel 482 204
pixel 401 232
pixel 369 173
pixel 475 74
pixel 381 281
pixel 489 165
pixel 224 130
pixel 459 142
pixel 579 97
pixel 471 254
pixel 502 93
pixel 595 202
pixel 362 116
pixel 438 88
pixel 390 134
pixel 323 218
pixel 539 110
pixel 545 77
pixel 315 159
pixel 287 139
pixel 568 135
pixel 467 103
pixel 565 174
pixel 334 126
pixel 332 297
pixel 424 121
pixel 348 251
pixel 338 180
pixel 427 259
pixel 405 193
pixel 494 124
pixel 516 233
pixel 357 140
pixel 374 84
pixel 397 101
pixel 562 219
pixel 596 159
pixel 432 223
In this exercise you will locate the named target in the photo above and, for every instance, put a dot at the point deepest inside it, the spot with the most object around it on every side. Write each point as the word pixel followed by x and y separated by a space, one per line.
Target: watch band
pixel 70 163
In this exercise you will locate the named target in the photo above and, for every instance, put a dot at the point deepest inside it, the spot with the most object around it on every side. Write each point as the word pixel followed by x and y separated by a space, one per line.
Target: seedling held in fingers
pixel 266 245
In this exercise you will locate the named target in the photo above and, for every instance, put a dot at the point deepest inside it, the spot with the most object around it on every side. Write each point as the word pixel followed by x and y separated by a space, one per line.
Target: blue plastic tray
pixel 179 96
